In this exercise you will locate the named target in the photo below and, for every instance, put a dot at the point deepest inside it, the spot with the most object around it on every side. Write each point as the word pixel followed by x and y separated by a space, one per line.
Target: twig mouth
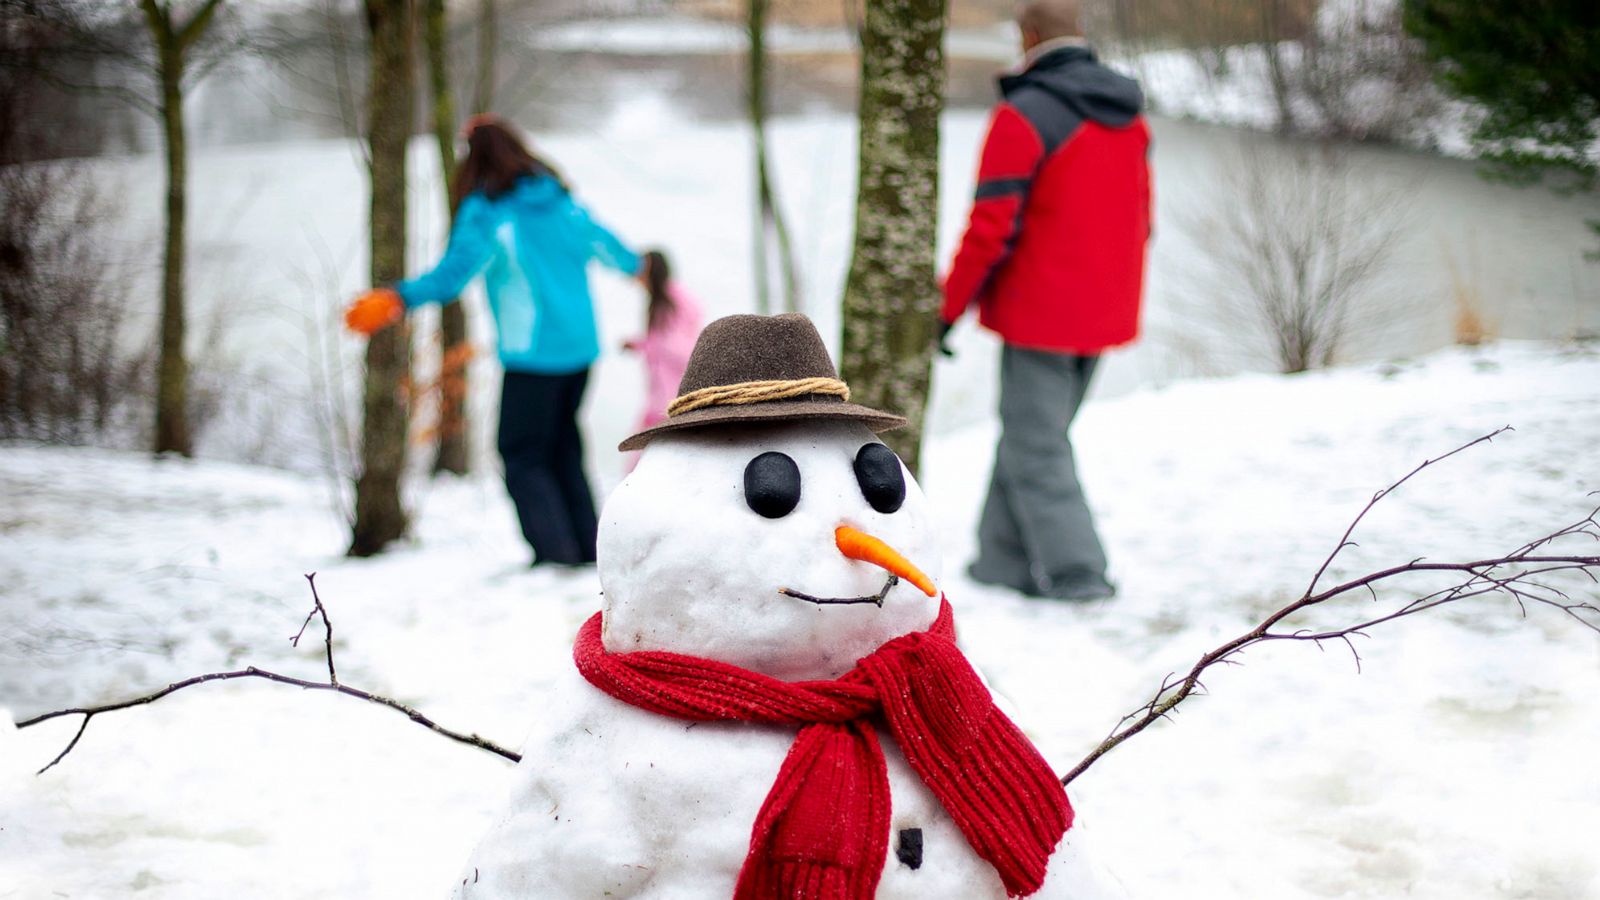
pixel 875 599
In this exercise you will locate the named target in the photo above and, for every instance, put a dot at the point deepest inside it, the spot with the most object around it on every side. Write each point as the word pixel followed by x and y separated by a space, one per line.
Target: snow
pixel 680 35
pixel 688 567
pixel 1176 81
pixel 280 249
pixel 1456 765
pixel 676 821
pixel 1457 762
pixel 614 800
pixel 1359 50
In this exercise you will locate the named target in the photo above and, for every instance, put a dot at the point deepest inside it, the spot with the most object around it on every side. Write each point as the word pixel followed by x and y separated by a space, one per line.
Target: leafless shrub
pixel 1364 77
pixel 1296 254
pixel 66 374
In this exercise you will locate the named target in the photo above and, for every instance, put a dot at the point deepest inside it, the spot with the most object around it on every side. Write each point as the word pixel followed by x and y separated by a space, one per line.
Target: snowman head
pixel 779 535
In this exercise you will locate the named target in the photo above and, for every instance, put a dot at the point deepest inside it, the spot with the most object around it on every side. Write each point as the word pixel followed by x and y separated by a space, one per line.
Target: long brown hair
pixel 657 274
pixel 495 159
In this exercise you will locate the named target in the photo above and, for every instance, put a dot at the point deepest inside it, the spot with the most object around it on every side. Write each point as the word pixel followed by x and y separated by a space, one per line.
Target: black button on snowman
pixel 766 551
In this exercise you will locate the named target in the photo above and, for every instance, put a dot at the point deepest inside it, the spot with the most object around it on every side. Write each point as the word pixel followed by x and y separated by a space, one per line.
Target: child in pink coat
pixel 673 324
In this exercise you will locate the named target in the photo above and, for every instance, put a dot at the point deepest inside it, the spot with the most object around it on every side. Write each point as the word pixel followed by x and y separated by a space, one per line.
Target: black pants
pixel 543 454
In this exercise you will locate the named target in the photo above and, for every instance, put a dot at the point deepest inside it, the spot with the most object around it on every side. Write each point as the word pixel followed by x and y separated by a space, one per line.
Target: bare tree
pixel 1364 77
pixel 1333 70
pixel 451 451
pixel 97 52
pixel 1297 252
pixel 891 298
pixel 174 38
pixel 1275 16
pixel 380 517
pixel 772 232
pixel 488 29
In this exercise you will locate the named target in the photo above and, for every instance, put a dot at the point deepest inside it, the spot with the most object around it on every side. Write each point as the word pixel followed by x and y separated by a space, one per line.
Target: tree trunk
pixel 488 35
pixel 772 232
pixel 891 299
pixel 172 42
pixel 380 518
pixel 1272 26
pixel 451 450
pixel 172 384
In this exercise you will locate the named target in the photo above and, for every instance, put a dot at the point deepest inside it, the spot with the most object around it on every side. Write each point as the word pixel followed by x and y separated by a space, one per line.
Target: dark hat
pixel 760 369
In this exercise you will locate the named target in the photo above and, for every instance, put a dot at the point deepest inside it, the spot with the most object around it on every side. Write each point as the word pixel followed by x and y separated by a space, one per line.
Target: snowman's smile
pixel 863 547
pixel 875 599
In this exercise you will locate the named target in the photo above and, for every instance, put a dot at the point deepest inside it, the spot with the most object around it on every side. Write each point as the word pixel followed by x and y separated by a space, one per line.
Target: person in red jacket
pixel 1053 259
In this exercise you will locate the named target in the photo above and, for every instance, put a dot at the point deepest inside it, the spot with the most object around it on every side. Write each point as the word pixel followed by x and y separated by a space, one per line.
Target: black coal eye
pixel 772 485
pixel 882 482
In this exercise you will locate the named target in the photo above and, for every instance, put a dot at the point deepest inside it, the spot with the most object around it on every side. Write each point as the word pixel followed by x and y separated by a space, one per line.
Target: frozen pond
pixel 654 146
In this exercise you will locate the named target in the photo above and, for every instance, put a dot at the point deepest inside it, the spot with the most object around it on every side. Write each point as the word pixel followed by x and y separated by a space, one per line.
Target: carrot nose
pixel 860 545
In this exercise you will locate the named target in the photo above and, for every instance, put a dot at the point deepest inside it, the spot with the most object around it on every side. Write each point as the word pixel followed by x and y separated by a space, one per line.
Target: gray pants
pixel 1036 531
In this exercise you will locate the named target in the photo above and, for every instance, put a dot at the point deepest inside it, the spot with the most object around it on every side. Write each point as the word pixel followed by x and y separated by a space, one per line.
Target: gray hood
pixel 1073 76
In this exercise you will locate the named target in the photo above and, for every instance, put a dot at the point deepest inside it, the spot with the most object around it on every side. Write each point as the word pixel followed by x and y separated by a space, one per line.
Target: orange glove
pixel 374 311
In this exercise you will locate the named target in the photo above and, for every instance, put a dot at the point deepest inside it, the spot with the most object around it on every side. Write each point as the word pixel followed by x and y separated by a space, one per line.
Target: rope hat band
pixel 746 392
pixel 760 369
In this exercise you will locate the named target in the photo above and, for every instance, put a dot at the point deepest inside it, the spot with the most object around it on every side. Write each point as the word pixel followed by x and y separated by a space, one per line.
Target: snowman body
pixel 615 801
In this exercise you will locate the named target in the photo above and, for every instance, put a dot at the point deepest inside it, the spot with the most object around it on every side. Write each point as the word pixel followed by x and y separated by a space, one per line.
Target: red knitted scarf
pixel 822 833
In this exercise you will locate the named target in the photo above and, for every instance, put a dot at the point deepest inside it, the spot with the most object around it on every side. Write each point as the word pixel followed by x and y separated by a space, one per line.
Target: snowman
pixel 771 702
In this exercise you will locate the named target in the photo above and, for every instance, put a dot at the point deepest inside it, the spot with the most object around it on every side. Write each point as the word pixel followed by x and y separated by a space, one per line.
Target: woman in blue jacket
pixel 518 225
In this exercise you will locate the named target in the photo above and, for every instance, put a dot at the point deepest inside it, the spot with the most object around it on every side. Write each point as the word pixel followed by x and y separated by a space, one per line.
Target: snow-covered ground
pixel 1458 763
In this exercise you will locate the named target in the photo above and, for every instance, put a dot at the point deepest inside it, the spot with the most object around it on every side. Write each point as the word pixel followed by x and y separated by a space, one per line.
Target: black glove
pixel 944 333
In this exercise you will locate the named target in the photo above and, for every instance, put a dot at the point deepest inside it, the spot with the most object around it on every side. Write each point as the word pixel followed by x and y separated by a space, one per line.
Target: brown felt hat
pixel 760 369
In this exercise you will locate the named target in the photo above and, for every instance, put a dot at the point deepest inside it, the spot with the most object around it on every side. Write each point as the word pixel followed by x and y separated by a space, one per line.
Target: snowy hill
pixel 1459 763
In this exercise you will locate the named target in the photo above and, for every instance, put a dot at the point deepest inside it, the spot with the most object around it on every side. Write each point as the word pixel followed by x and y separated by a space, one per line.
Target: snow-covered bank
pixel 680 35
pixel 1239 94
pixel 1459 763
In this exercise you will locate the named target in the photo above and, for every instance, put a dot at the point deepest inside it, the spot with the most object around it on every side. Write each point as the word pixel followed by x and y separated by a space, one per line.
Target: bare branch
pixel 122 92
pixel 332 684
pixel 158 20
pixel 327 626
pixel 196 26
pixel 1344 541
pixel 1516 575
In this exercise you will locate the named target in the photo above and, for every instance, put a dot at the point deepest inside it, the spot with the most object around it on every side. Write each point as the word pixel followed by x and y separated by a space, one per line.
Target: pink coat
pixel 666 350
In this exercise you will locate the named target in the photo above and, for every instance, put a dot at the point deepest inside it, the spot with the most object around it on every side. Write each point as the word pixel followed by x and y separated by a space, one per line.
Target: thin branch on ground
pixel 332 684
pixel 327 626
pixel 1520 575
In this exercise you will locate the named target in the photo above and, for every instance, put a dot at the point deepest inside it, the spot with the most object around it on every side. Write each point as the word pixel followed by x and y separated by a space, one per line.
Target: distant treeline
pixel 1202 23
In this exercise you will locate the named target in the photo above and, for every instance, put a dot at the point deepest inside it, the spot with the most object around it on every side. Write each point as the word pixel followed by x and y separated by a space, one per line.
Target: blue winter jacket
pixel 533 245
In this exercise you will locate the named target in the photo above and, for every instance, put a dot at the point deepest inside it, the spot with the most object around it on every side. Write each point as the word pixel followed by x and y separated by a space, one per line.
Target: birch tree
pixel 891 298
pixel 380 518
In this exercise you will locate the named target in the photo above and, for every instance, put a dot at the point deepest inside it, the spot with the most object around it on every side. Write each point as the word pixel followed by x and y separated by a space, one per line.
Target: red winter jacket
pixel 1054 250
